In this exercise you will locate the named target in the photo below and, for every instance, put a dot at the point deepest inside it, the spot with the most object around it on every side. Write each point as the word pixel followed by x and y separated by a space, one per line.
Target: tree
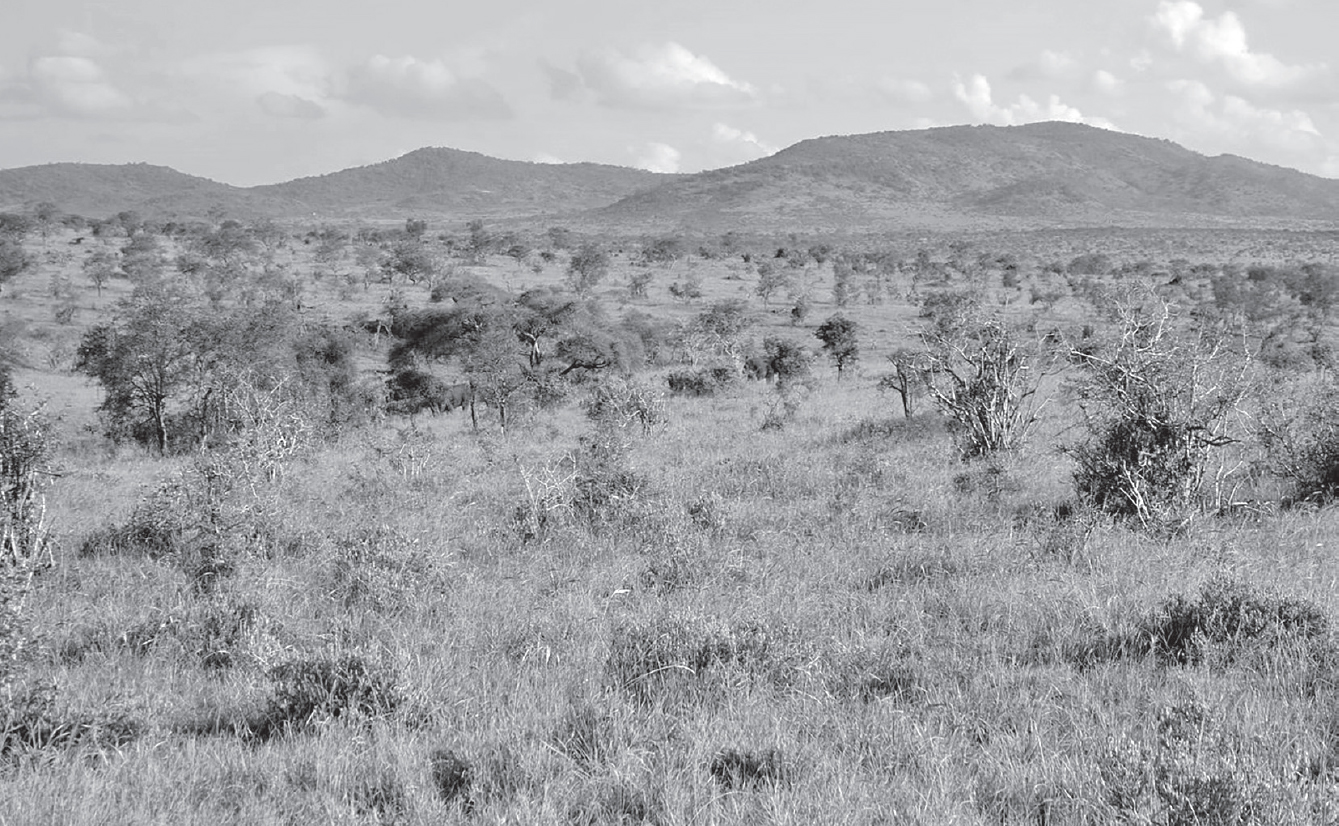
pixel 982 377
pixel 771 279
pixel 843 281
pixel 909 368
pixel 587 267
pixel 145 361
pixel 839 336
pixel 1159 400
pixel 100 267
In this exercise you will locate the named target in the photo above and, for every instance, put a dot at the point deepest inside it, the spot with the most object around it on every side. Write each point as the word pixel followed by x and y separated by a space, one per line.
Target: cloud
pixel 1223 42
pixel 546 158
pixel 270 76
pixel 410 87
pixel 1107 83
pixel 1236 123
pixel 736 145
pixel 666 76
pixel 1048 66
pixel 289 106
pixel 905 91
pixel 77 87
pixel 658 157
pixel 976 96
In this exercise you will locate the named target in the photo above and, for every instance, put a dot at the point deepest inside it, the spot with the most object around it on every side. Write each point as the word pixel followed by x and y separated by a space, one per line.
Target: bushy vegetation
pixel 670 569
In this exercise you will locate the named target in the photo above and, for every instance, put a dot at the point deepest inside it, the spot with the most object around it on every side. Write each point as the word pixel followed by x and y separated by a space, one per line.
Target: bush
pixel 707 381
pixel 1299 430
pixel 1159 402
pixel 693 659
pixel 311 691
pixel 1229 614
pixel 983 378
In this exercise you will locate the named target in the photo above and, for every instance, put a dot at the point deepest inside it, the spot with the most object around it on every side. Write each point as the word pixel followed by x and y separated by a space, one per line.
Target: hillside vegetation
pixel 448 523
pixel 954 178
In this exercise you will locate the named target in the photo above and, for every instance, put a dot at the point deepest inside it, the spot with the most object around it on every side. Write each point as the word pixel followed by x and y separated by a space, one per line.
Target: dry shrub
pixel 693 659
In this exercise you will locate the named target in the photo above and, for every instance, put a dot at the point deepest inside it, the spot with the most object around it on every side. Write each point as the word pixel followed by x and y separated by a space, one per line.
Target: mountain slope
pixel 1039 173
pixel 98 190
pixel 450 181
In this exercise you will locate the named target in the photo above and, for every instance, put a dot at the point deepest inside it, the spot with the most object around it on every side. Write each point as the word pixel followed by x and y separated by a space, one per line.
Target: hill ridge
pixel 1040 174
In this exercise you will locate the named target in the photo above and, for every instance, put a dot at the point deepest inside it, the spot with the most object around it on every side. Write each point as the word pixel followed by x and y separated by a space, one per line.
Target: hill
pixel 948 178
pixel 1039 174
pixel 99 190
pixel 463 184
pixel 432 182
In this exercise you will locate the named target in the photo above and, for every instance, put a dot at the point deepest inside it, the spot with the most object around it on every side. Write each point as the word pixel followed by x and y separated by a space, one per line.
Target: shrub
pixel 25 538
pixel 452 776
pixel 31 722
pixel 741 769
pixel 1299 430
pixel 1229 614
pixel 315 690
pixel 707 381
pixel 983 378
pixel 1159 402
pixel 692 659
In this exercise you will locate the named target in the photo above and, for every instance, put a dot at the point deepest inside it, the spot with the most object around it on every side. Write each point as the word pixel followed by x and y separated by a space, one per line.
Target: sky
pixel 262 91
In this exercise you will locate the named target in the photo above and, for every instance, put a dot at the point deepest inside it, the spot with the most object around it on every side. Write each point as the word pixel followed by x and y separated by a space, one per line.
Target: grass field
pixel 833 621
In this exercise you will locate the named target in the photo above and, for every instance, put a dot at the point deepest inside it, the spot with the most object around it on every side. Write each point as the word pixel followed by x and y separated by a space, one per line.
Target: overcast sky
pixel 262 91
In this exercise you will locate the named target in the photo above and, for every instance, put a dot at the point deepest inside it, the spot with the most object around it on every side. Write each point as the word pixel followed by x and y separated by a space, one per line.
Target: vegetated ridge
pixel 1037 175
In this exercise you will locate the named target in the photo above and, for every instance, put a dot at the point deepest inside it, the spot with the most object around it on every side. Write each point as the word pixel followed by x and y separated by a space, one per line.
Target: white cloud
pixel 546 158
pixel 1223 41
pixel 76 86
pixel 1050 65
pixel 977 97
pixel 658 157
pixel 410 87
pixel 736 145
pixel 666 76
pixel 292 71
pixel 1234 124
pixel 905 91
pixel 1107 83
pixel 289 106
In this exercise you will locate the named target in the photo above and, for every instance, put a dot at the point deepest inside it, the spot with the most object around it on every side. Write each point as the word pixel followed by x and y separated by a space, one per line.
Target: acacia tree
pixel 839 337
pixel 983 377
pixel 587 268
pixel 145 360
pixel 1160 400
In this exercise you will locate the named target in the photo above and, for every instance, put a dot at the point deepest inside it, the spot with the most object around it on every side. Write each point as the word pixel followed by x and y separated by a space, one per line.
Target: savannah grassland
pixel 830 619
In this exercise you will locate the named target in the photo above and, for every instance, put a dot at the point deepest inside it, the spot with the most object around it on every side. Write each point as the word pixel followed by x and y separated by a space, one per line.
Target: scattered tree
pixel 839 336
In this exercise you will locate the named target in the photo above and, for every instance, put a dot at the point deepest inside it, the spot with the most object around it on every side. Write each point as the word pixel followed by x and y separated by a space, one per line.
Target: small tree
pixel 25 539
pixel 771 279
pixel 839 338
pixel 100 267
pixel 983 378
pixel 909 368
pixel 1159 402
pixel 587 268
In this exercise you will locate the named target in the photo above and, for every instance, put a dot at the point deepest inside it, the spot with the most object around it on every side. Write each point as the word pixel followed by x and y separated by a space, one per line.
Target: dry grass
pixel 836 622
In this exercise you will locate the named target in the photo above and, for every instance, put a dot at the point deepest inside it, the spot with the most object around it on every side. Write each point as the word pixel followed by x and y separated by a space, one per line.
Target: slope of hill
pixel 948 178
pixel 1038 174
pixel 453 182
pixel 99 190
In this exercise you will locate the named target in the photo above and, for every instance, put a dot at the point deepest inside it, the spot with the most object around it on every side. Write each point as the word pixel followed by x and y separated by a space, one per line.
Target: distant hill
pixel 426 182
pixel 99 190
pixel 452 182
pixel 1038 175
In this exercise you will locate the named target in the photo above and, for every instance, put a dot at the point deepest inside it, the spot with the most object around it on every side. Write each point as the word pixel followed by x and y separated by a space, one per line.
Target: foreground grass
pixel 830 623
